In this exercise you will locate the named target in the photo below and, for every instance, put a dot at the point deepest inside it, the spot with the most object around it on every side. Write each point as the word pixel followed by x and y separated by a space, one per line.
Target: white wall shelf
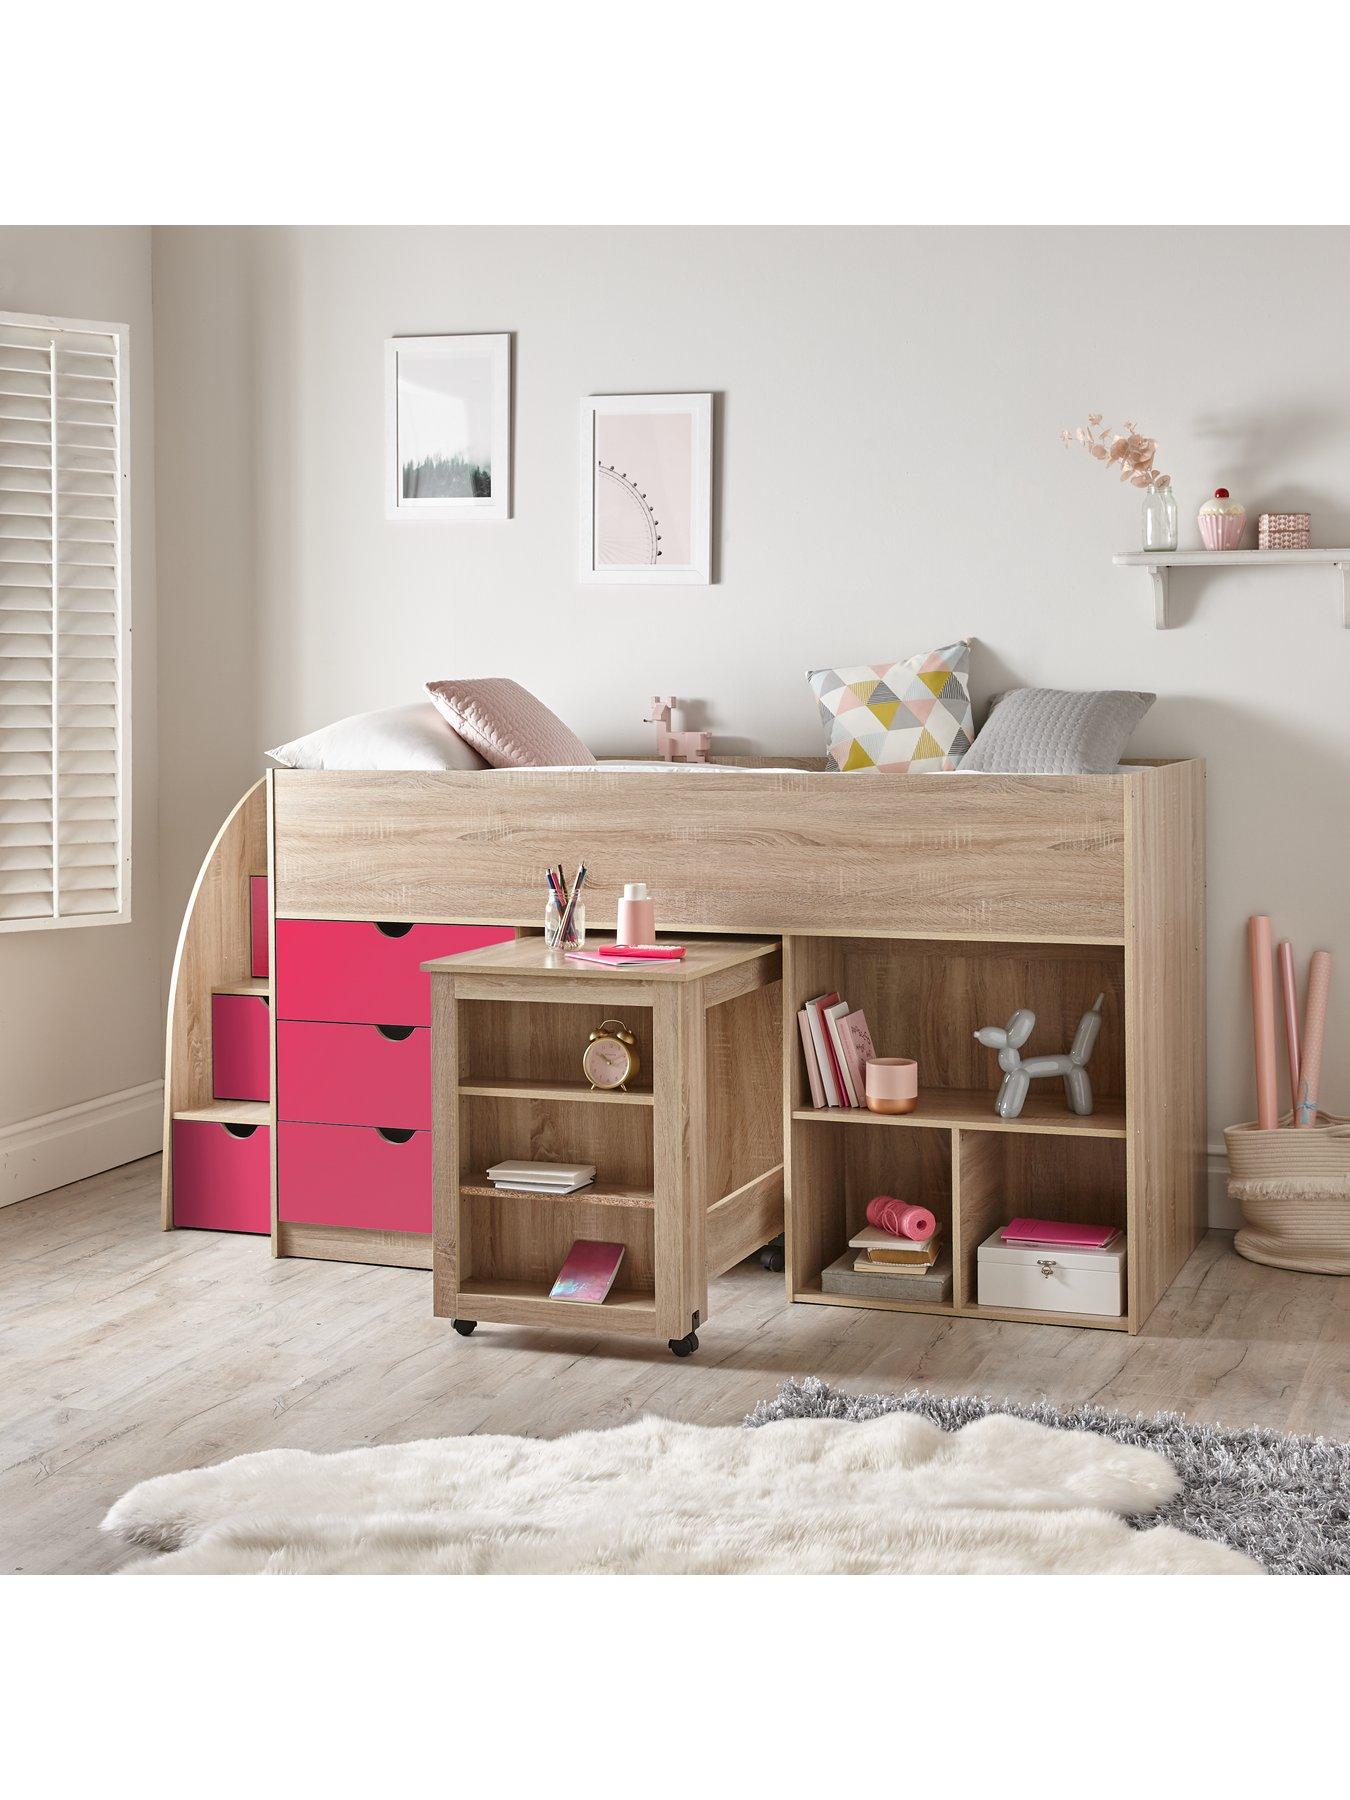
pixel 1160 562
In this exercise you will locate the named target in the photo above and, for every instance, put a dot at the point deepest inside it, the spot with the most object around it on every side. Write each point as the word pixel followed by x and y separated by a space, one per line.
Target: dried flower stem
pixel 1127 449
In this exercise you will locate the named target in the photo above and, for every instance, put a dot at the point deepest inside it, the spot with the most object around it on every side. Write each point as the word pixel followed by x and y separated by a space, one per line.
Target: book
pixel 594 960
pixel 1065 1234
pixel 933 1285
pixel 864 1260
pixel 834 1093
pixel 809 1056
pixel 899 1259
pixel 884 1243
pixel 543 1187
pixel 853 1095
pixel 589 1271
pixel 855 1044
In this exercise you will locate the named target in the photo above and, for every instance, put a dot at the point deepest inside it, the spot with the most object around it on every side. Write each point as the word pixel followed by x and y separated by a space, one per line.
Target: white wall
pixel 889 477
pixel 81 1035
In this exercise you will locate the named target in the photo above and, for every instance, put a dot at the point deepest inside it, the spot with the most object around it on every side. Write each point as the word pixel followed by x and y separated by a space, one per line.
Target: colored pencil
pixel 1263 1022
pixel 1314 1032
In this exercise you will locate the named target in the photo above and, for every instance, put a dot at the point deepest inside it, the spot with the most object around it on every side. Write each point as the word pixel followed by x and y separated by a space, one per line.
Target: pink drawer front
pixel 257 925
pixel 354 1074
pixel 366 974
pixel 240 1060
pixel 354 1175
pixel 221 1176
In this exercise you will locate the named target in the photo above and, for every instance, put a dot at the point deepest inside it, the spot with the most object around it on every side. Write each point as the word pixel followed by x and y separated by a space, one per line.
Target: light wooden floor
pixel 126 1352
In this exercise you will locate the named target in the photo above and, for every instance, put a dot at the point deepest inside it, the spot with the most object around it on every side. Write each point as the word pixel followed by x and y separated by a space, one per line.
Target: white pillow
pixel 396 737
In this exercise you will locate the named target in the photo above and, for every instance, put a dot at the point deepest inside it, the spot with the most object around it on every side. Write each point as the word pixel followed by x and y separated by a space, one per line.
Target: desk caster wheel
pixel 684 1346
pixel 465 1327
pixel 773 1256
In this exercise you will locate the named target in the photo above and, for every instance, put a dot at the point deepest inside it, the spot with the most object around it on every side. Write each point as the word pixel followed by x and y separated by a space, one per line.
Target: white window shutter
pixel 64 733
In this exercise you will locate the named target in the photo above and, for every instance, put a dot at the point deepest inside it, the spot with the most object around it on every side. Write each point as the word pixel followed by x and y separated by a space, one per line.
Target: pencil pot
pixel 1294 1190
pixel 564 929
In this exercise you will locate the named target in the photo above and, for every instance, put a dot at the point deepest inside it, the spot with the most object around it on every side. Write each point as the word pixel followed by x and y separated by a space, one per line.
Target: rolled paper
pixel 1314 1031
pixel 900 1218
pixel 1289 996
pixel 1263 1022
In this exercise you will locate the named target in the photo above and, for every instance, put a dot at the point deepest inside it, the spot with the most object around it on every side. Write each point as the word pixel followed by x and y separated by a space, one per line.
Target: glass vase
pixel 564 927
pixel 1158 522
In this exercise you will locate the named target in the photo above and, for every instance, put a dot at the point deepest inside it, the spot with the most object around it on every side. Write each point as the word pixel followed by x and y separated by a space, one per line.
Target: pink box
pixel 354 1175
pixel 354 1074
pixel 221 1176
pixel 257 921
pixel 361 973
pixel 241 1064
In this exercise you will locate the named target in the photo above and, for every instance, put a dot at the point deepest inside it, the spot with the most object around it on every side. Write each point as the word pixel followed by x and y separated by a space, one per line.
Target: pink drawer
pixel 366 974
pixel 354 1074
pixel 354 1175
pixel 240 1060
pixel 221 1176
pixel 257 926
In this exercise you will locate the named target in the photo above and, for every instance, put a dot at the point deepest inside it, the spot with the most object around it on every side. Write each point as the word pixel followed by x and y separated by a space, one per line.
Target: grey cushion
pixel 1056 731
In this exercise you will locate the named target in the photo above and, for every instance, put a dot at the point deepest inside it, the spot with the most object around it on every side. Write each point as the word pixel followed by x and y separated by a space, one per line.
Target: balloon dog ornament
pixel 1018 1075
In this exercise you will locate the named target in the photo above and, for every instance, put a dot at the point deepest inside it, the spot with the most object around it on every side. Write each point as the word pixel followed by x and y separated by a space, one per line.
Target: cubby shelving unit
pixel 1133 1162
pixel 688 1159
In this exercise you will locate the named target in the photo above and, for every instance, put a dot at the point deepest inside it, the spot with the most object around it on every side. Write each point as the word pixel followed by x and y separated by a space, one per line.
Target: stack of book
pixel 880 1266
pixel 837 1045
pixel 542 1177
pixel 883 1252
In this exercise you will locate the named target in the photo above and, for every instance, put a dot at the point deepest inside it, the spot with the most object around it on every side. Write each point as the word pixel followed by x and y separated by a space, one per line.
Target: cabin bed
pixel 937 903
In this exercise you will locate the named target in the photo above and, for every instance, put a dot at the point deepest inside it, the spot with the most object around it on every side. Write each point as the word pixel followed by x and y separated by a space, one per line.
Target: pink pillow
pixel 507 725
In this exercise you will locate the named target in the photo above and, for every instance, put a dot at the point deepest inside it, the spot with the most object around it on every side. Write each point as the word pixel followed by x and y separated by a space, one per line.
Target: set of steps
pixel 218 1110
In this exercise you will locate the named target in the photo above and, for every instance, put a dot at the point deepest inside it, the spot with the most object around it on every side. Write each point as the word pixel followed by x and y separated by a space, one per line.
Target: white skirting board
pixel 37 1155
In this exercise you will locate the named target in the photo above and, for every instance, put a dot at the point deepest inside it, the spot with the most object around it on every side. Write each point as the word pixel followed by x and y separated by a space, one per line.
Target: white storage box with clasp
pixel 1051 1277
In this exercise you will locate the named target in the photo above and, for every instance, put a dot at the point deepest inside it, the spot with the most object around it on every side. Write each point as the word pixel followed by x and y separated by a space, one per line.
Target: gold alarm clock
pixel 610 1059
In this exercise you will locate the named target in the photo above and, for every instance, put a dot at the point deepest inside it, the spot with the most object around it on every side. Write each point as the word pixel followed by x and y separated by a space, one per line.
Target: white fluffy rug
pixel 808 1496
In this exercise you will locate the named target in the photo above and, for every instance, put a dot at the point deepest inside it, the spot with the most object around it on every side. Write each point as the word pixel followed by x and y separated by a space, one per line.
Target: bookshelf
pixel 1134 1162
pixel 689 1173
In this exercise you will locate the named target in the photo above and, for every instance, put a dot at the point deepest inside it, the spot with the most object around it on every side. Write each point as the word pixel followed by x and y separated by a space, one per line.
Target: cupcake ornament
pixel 1222 521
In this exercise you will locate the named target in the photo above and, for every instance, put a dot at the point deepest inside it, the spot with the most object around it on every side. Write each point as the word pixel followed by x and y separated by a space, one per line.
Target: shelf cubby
pixel 508 1046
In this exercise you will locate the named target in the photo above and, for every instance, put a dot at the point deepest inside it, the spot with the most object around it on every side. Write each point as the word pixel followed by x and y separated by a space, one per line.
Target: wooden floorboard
pixel 126 1352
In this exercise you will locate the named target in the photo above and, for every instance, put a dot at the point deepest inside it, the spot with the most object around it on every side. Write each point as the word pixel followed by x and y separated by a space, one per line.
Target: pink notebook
pixel 588 1273
pixel 1058 1231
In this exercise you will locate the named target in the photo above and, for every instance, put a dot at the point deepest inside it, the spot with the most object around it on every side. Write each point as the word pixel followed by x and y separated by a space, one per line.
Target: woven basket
pixel 1294 1191
pixel 1284 531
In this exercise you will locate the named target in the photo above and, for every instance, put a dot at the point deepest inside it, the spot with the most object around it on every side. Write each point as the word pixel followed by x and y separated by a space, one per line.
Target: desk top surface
pixel 528 956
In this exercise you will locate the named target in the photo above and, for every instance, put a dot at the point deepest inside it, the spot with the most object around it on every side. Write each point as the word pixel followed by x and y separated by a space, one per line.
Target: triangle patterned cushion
pixel 895 717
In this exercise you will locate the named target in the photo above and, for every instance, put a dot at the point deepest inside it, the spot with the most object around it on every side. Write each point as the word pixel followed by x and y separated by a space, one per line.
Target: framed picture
pixel 646 488
pixel 448 426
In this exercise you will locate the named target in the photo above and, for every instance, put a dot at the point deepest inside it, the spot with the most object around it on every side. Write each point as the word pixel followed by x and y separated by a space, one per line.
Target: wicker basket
pixel 1284 531
pixel 1294 1191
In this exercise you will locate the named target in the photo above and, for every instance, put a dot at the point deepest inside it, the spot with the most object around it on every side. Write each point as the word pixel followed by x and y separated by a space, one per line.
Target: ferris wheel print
pixel 627 530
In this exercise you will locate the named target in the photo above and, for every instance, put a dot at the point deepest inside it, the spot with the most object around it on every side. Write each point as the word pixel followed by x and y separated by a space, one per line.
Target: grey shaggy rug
pixel 1282 1500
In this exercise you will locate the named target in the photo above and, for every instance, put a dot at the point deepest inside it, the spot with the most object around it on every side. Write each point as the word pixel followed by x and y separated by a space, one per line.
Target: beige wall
pixel 80 1014
pixel 889 476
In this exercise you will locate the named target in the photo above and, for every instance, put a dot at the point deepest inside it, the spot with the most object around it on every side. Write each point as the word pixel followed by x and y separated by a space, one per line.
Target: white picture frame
pixel 447 407
pixel 644 456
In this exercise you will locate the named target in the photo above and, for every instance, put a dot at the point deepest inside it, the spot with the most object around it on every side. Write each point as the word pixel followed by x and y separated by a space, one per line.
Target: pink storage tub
pixel 354 1175
pixel 241 1065
pixel 366 974
pixel 221 1176
pixel 354 1074
pixel 257 925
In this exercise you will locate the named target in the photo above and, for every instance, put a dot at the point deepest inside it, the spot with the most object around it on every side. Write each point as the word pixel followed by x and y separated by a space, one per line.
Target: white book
pixel 541 1172
pixel 543 1187
pixel 809 1057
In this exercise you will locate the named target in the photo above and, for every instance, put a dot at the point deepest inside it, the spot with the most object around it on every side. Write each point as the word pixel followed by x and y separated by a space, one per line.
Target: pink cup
pixel 892 1084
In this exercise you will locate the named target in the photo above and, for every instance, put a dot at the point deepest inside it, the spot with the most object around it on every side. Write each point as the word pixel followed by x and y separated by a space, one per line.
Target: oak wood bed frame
pixel 1014 873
